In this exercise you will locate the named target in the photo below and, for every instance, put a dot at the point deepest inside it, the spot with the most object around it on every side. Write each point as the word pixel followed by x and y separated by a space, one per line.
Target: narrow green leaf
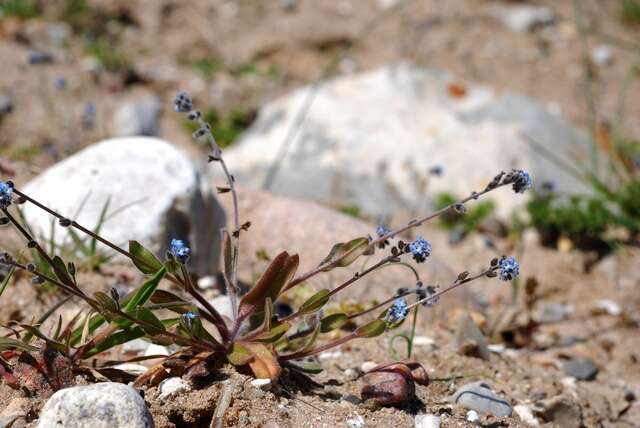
pixel 60 269
pixel 145 292
pixel 305 367
pixel 115 339
pixel 332 322
pixel 153 326
pixel 274 334
pixel 372 329
pixel 5 281
pixel 60 347
pixel 9 343
pixel 315 302
pixel 144 259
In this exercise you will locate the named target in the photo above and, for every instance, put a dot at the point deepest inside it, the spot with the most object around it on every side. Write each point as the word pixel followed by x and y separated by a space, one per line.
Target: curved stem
pixel 392 234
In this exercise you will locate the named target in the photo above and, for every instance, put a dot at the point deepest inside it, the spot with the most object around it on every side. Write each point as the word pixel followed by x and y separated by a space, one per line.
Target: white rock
pixel 525 413
pixel 387 4
pixel 103 405
pixel 602 55
pixel 131 368
pixel 524 18
pixel 136 346
pixel 473 417
pixel 172 386
pixel 423 341
pixel 368 365
pixel 427 421
pixel 263 384
pixel 207 282
pixel 327 355
pixel 139 117
pixel 497 348
pixel 355 421
pixel 222 304
pixel 155 194
pixel 154 349
pixel 609 306
pixel 370 138
pixel 351 374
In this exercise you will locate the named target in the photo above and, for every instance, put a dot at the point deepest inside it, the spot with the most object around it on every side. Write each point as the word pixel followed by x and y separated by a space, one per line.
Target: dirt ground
pixel 236 55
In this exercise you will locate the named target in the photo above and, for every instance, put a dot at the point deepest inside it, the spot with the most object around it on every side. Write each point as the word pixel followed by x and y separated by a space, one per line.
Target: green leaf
pixel 145 292
pixel 315 302
pixel 5 281
pixel 278 274
pixel 372 329
pixel 153 326
pixel 9 343
pixel 338 254
pixel 60 347
pixel 115 339
pixel 332 322
pixel 144 259
pixel 60 269
pixel 305 367
pixel 274 334
pixel 106 303
pixel 239 355
pixel 93 324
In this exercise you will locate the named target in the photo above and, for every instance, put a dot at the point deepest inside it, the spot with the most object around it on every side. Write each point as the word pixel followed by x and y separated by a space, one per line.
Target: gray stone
pixel 469 339
pixel 581 369
pixel 6 104
pixel 154 192
pixel 553 312
pixel 370 140
pixel 524 18
pixel 103 405
pixel 479 397
pixel 139 117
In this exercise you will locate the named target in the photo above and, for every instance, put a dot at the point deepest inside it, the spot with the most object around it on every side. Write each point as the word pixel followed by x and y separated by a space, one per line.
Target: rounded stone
pixel 103 405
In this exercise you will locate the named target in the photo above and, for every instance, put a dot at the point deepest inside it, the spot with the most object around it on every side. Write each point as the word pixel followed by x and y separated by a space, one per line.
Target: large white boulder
pixel 154 193
pixel 369 140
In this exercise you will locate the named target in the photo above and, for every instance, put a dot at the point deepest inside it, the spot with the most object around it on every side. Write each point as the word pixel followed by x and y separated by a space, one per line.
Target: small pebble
pixel 263 384
pixel 368 365
pixel 602 55
pixel 329 355
pixel 525 413
pixel 352 399
pixel 473 417
pixel 581 369
pixel 427 421
pixel 207 282
pixel 351 374
pixel 172 386
pixel 154 349
pixel 356 421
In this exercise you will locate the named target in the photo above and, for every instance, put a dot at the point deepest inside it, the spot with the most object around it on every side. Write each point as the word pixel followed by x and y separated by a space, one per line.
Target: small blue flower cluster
pixel 382 230
pixel 188 318
pixel 522 181
pixel 182 103
pixel 6 193
pixel 509 268
pixel 398 311
pixel 421 249
pixel 179 251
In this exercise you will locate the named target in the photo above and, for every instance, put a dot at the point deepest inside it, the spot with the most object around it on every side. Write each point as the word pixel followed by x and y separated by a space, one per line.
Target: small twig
pixel 223 403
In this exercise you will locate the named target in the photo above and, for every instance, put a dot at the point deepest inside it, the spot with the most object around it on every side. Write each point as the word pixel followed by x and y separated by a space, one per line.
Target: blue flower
pixel 522 181
pixel 179 250
pixel 182 103
pixel 381 231
pixel 6 193
pixel 188 318
pixel 420 248
pixel 398 311
pixel 509 268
